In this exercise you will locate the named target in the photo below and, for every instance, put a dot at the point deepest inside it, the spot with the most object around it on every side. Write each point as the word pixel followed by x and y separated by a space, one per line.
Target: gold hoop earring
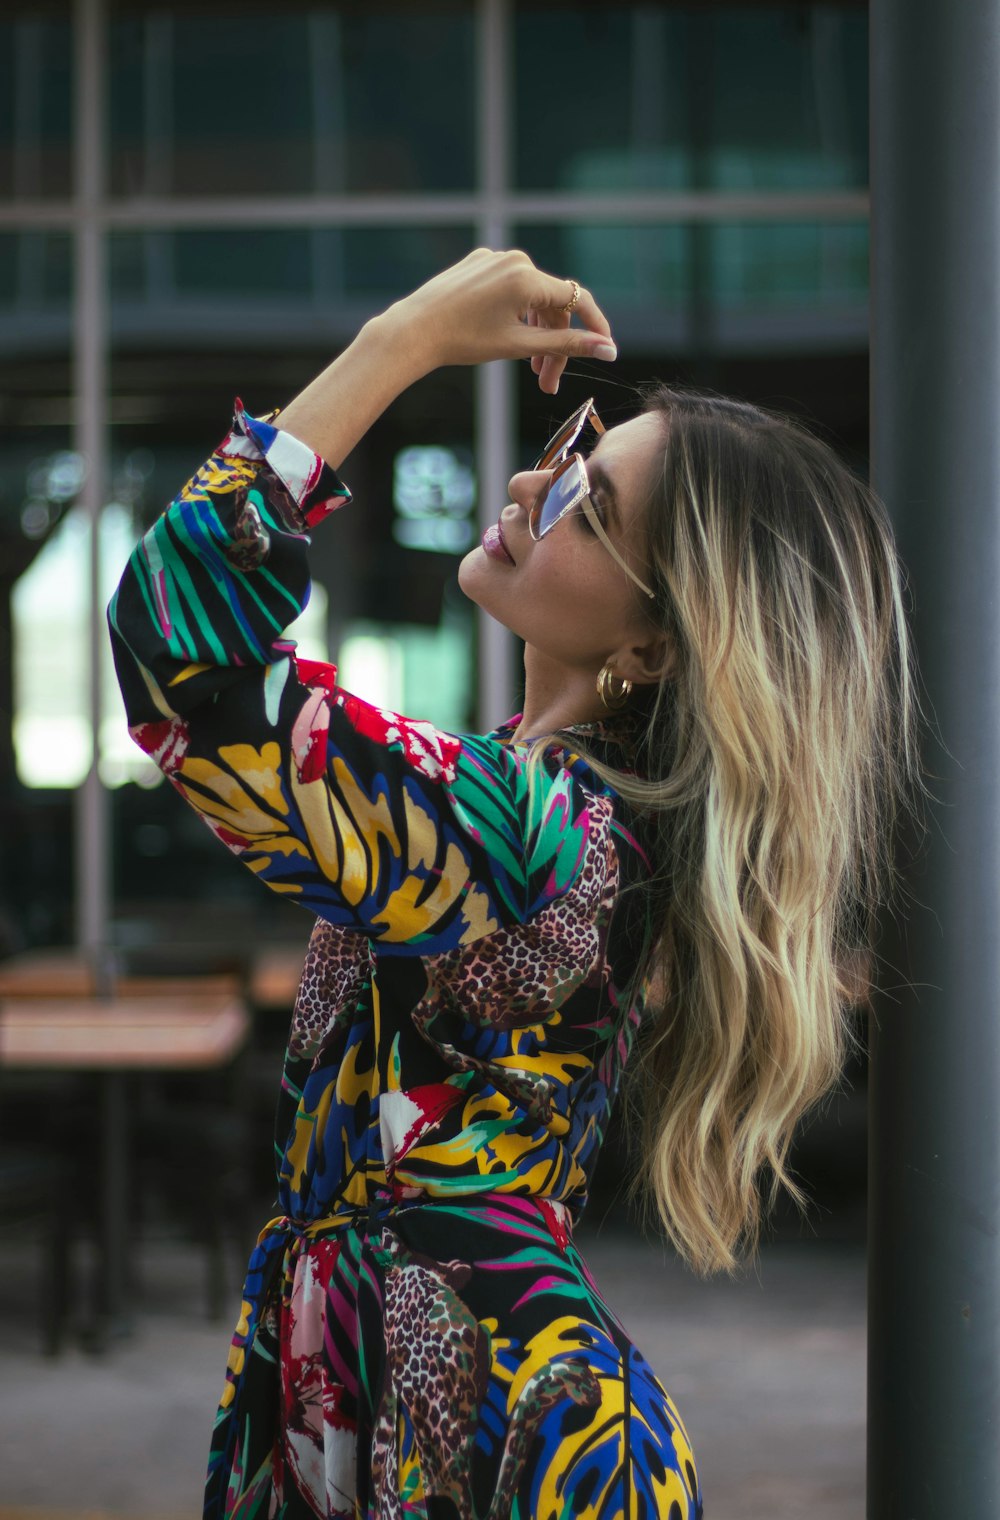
pixel 613 699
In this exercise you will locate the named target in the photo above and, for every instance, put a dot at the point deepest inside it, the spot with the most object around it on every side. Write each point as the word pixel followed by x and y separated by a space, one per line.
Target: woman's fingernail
pixel 605 351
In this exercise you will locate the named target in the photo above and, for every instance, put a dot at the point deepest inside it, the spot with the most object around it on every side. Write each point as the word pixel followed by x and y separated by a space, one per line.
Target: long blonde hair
pixel 778 758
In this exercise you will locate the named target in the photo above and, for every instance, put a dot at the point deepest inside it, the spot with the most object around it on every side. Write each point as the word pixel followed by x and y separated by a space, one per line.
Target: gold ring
pixel 571 303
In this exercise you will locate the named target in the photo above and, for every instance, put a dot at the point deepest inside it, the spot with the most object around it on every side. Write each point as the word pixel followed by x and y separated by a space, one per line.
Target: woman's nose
pixel 525 486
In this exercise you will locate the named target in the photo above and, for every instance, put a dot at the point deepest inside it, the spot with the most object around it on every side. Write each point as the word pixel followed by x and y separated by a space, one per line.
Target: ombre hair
pixel 776 761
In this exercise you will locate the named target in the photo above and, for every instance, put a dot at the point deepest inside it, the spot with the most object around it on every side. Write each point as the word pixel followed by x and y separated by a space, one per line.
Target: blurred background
pixel 204 200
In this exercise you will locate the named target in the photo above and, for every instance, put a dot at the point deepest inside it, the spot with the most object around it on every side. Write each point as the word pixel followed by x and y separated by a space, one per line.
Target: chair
pixel 191 1141
pixel 33 1191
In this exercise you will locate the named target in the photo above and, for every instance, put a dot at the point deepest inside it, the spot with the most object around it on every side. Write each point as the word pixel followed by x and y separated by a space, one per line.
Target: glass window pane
pixel 327 99
pixel 50 616
pixel 422 672
pixel 40 480
pixel 726 287
pixel 35 292
pixel 645 96
pixel 36 102
pixel 205 287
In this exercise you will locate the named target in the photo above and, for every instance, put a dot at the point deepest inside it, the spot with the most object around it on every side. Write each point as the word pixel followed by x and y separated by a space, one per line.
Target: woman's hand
pixel 490 306
pixel 499 306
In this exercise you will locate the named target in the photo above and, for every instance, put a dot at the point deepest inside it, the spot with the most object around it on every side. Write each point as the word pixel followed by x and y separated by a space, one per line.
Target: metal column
pixel 494 382
pixel 934 1275
pixel 90 386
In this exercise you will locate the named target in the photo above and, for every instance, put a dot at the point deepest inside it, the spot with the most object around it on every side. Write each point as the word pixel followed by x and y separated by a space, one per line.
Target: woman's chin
pixel 478 583
pixel 474 577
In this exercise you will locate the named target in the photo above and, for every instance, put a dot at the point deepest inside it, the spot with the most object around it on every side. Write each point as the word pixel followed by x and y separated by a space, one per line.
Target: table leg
pixel 112 1306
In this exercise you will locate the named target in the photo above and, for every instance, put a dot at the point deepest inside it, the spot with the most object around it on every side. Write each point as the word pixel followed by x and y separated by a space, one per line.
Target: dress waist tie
pixel 282 1240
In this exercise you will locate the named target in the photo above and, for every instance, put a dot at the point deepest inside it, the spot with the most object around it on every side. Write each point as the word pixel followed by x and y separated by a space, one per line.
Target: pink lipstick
pixel 496 548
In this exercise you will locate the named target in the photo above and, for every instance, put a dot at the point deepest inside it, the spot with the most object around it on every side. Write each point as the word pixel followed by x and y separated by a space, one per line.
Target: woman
pixel 685 829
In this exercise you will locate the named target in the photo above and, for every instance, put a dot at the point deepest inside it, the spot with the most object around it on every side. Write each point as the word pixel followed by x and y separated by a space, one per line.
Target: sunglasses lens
pixel 565 489
pixel 563 440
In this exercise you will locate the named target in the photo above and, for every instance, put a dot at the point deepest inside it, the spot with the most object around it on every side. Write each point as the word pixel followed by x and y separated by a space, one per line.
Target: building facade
pixel 204 200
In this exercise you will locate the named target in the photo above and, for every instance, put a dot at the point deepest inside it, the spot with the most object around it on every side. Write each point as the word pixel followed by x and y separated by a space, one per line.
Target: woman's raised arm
pixel 379 824
pixel 489 306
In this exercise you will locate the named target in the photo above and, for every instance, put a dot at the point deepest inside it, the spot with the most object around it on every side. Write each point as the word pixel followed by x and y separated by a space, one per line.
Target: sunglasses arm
pixel 587 507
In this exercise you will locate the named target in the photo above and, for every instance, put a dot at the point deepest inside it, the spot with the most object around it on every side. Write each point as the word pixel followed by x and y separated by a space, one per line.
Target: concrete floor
pixel 768 1372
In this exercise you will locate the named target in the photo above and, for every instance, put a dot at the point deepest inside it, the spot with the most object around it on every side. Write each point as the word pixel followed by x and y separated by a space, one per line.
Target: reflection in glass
pixel 641 96
pixel 201 286
pixel 718 286
pixel 434 494
pixel 377 98
pixel 36 271
pixel 423 672
pixel 50 614
pixel 36 102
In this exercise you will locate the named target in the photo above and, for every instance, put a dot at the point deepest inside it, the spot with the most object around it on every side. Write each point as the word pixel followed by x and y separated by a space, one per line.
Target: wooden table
pixel 274 976
pixel 183 1028
pixel 167 1030
pixel 68 973
pixel 273 982
pixel 47 973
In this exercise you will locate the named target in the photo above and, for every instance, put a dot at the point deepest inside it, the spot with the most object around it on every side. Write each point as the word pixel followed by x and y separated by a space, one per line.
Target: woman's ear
pixel 648 663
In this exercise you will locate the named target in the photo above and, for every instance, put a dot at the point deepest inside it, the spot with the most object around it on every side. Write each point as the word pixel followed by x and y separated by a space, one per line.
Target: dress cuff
pixel 315 488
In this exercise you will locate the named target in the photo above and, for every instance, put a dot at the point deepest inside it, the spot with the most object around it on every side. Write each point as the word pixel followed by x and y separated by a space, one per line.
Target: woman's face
pixel 565 595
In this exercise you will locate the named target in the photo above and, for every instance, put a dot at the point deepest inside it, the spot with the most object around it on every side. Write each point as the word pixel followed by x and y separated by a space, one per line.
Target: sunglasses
pixel 569 485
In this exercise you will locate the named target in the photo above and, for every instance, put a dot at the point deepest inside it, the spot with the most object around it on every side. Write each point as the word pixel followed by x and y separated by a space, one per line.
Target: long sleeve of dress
pixel 389 827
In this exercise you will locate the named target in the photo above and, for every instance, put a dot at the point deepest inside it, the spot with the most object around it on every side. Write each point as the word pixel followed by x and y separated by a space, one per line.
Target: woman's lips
pixel 496 548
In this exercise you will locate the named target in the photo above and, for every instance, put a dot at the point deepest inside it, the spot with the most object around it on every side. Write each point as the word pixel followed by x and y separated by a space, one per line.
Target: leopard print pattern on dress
pixel 517 976
pixel 337 966
pixel 437 1369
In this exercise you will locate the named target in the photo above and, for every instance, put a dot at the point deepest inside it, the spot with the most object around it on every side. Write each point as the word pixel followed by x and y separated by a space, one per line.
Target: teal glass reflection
pixel 380 264
pixel 202 286
pixel 327 99
pixel 36 102
pixel 267 263
pixel 36 274
pixel 726 286
pixel 626 266
pixel 779 266
pixel 639 96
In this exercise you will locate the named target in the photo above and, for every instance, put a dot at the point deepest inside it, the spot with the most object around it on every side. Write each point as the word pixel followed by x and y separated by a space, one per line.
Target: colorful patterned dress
pixel 419 1336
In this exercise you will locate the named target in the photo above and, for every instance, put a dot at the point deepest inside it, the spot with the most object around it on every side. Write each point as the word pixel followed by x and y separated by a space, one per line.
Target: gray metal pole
pixel 934 1275
pixel 494 382
pixel 90 385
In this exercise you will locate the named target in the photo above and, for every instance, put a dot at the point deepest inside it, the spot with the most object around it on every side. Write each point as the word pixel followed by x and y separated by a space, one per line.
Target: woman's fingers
pixel 496 305
pixel 570 342
pixel 531 319
pixel 550 374
pixel 549 347
pixel 549 297
pixel 547 367
pixel 553 295
pixel 547 315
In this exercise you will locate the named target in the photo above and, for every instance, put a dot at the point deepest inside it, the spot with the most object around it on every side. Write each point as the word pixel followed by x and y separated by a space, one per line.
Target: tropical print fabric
pixel 418 1335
